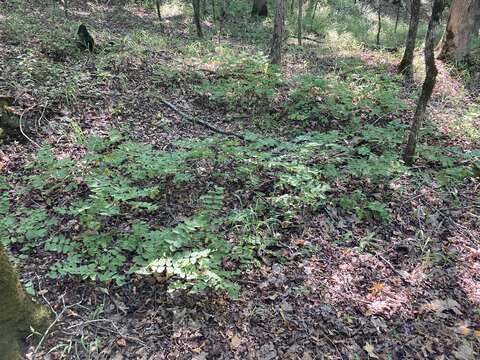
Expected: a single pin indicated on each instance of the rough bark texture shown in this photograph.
(278, 32)
(17, 312)
(428, 84)
(158, 10)
(259, 8)
(299, 21)
(460, 27)
(405, 65)
(196, 17)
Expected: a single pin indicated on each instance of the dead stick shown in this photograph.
(201, 122)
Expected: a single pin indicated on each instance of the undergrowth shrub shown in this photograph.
(123, 209)
(243, 81)
(364, 95)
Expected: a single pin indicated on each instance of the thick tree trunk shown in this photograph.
(476, 27)
(259, 8)
(460, 27)
(428, 84)
(278, 32)
(17, 312)
(299, 21)
(405, 65)
(196, 17)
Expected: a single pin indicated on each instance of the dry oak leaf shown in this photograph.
(235, 341)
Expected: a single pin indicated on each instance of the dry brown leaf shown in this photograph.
(376, 288)
(235, 341)
(121, 342)
(463, 330)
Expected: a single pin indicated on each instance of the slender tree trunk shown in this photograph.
(196, 17)
(159, 14)
(379, 14)
(299, 21)
(397, 15)
(292, 6)
(405, 66)
(204, 9)
(428, 84)
(214, 15)
(223, 8)
(259, 8)
(278, 32)
(460, 26)
(17, 312)
(315, 9)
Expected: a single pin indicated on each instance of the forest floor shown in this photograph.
(338, 284)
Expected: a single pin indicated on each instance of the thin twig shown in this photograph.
(201, 122)
(21, 129)
(55, 321)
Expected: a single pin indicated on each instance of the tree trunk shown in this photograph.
(405, 65)
(379, 15)
(460, 26)
(17, 312)
(428, 84)
(158, 10)
(476, 27)
(196, 17)
(278, 32)
(259, 8)
(223, 8)
(299, 21)
(214, 12)
(397, 15)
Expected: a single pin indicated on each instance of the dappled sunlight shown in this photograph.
(178, 193)
(353, 280)
(468, 266)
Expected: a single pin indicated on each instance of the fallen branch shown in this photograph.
(308, 39)
(201, 122)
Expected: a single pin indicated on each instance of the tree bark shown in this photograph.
(278, 32)
(159, 14)
(17, 312)
(259, 8)
(397, 15)
(196, 17)
(379, 15)
(299, 21)
(460, 27)
(214, 11)
(405, 66)
(428, 84)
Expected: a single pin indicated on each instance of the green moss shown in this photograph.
(17, 312)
